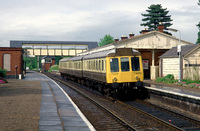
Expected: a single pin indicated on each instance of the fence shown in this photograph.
(191, 73)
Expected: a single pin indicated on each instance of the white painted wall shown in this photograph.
(171, 66)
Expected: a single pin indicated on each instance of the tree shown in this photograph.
(198, 38)
(106, 40)
(156, 14)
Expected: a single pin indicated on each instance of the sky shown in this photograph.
(88, 20)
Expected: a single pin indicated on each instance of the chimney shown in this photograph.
(116, 39)
(160, 27)
(124, 37)
(131, 35)
(145, 31)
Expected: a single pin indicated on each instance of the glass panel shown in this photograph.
(125, 64)
(102, 65)
(135, 63)
(96, 65)
(114, 66)
(99, 68)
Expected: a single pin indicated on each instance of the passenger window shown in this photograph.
(114, 65)
(125, 64)
(99, 65)
(96, 65)
(135, 63)
(93, 65)
(102, 65)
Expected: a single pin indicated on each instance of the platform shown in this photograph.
(58, 111)
(173, 90)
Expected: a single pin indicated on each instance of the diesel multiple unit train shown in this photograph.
(112, 72)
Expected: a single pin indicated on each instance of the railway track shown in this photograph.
(166, 116)
(131, 118)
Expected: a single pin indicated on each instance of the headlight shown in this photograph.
(137, 78)
(115, 79)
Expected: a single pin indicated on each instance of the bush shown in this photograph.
(169, 76)
(167, 79)
(3, 72)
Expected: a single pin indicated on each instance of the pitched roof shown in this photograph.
(149, 33)
(172, 53)
(16, 43)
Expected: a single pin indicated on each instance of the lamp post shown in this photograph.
(179, 51)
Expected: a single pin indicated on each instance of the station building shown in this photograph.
(11, 59)
(151, 44)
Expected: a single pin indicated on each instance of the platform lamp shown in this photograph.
(178, 50)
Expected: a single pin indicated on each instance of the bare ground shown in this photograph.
(20, 103)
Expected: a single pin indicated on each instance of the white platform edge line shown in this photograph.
(91, 127)
(170, 92)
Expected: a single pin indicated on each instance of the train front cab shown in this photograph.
(125, 74)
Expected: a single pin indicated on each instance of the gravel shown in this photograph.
(20, 103)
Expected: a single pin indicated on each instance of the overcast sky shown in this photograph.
(88, 20)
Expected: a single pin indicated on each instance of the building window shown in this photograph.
(48, 60)
(6, 62)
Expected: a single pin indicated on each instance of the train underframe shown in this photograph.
(132, 90)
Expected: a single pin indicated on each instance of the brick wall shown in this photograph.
(16, 59)
(147, 55)
(48, 65)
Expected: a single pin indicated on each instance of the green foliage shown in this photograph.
(54, 67)
(156, 14)
(167, 79)
(3, 72)
(106, 40)
(31, 62)
(190, 81)
(198, 38)
(57, 58)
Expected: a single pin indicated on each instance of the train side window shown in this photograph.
(93, 64)
(89, 64)
(102, 65)
(125, 64)
(96, 65)
(114, 65)
(99, 65)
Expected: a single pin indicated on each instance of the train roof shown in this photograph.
(102, 54)
(112, 53)
(64, 59)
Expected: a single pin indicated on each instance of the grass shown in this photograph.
(53, 68)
